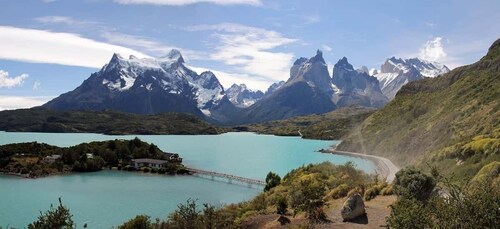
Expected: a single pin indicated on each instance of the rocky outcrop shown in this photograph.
(353, 207)
(355, 87)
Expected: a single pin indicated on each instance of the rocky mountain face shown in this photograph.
(274, 87)
(243, 97)
(145, 86)
(395, 73)
(307, 91)
(355, 87)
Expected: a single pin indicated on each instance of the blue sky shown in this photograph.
(48, 47)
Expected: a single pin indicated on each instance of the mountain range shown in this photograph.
(395, 73)
(166, 84)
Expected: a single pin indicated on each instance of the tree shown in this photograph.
(59, 217)
(186, 216)
(211, 218)
(281, 206)
(307, 197)
(139, 222)
(412, 183)
(272, 180)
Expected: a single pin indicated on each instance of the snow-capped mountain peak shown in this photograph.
(396, 72)
(428, 68)
(241, 96)
(174, 55)
(167, 73)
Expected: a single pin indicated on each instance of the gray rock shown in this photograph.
(355, 87)
(353, 207)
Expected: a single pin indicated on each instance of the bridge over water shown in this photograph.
(227, 176)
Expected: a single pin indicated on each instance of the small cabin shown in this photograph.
(146, 162)
(52, 158)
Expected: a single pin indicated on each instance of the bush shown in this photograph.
(409, 213)
(387, 191)
(25, 171)
(186, 216)
(354, 191)
(146, 169)
(412, 183)
(371, 193)
(59, 217)
(281, 206)
(338, 192)
(307, 197)
(162, 171)
(139, 222)
(474, 205)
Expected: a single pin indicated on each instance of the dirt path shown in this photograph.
(384, 166)
(376, 212)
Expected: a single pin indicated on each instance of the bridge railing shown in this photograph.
(227, 176)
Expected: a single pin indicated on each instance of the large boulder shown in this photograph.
(353, 207)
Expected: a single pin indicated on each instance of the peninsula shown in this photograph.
(33, 159)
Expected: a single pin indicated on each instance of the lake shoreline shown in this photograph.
(383, 166)
(27, 176)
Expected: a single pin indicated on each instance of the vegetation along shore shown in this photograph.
(33, 160)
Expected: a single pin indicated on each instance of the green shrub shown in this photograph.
(139, 222)
(387, 191)
(338, 192)
(59, 217)
(409, 213)
(371, 193)
(412, 183)
(281, 206)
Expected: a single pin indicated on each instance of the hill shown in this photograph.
(429, 115)
(105, 122)
(328, 126)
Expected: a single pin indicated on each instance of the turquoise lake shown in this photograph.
(108, 198)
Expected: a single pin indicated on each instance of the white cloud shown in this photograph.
(227, 79)
(18, 102)
(152, 46)
(433, 50)
(188, 2)
(36, 85)
(68, 21)
(326, 48)
(40, 46)
(311, 19)
(56, 20)
(249, 50)
(10, 82)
